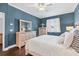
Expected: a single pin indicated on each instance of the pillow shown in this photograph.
(62, 35)
(75, 43)
(68, 39)
(61, 40)
(72, 31)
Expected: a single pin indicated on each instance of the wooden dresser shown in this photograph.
(0, 38)
(22, 37)
(42, 31)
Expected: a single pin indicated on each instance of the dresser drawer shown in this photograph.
(22, 40)
(0, 38)
(21, 34)
(22, 43)
(22, 37)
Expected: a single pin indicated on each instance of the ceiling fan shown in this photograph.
(43, 6)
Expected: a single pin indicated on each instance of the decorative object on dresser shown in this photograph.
(42, 31)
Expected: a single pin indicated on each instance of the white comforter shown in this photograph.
(47, 45)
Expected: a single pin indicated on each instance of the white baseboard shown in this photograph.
(9, 47)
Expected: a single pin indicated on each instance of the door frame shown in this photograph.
(3, 32)
(3, 36)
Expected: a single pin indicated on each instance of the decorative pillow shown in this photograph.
(61, 38)
(75, 43)
(72, 31)
(68, 39)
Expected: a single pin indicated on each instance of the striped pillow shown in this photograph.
(75, 43)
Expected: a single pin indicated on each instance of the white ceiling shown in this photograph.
(54, 9)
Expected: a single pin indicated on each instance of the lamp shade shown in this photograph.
(69, 28)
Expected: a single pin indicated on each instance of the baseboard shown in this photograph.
(9, 47)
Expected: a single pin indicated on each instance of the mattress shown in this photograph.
(47, 45)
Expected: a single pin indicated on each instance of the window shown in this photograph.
(53, 25)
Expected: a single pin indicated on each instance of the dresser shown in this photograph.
(42, 31)
(0, 38)
(22, 37)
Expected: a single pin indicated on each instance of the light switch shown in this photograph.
(11, 24)
(11, 30)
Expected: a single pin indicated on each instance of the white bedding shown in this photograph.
(47, 45)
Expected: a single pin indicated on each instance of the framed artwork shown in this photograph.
(53, 25)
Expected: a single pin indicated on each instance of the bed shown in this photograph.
(47, 45)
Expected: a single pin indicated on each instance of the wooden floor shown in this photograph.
(0, 47)
(14, 52)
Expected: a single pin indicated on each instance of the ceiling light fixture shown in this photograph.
(43, 6)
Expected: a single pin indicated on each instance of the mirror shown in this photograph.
(25, 26)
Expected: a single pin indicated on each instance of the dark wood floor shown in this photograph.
(0, 47)
(14, 52)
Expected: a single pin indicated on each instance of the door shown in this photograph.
(2, 29)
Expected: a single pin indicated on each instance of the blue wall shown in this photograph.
(65, 20)
(12, 15)
(76, 15)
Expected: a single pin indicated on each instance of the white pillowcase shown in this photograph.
(62, 35)
(61, 38)
(72, 31)
(68, 39)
